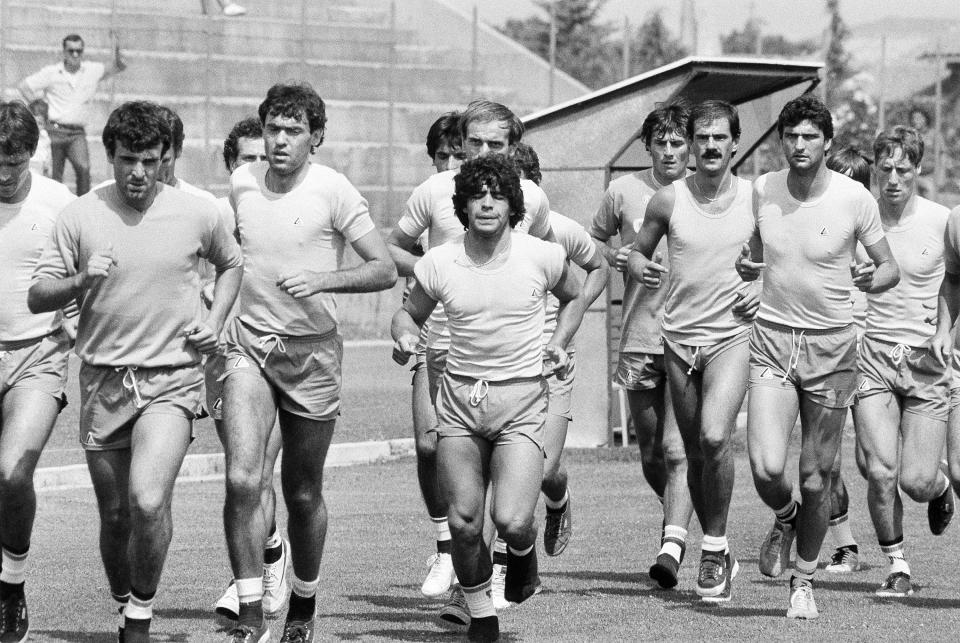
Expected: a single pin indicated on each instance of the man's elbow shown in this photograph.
(35, 300)
(385, 274)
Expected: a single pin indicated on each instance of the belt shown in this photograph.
(23, 343)
(66, 126)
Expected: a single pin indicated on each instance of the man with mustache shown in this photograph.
(706, 218)
(803, 345)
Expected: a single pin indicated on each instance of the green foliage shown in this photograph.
(744, 41)
(837, 58)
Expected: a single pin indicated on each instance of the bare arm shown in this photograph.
(377, 272)
(884, 273)
(406, 323)
(948, 305)
(656, 222)
(117, 63)
(205, 335)
(26, 92)
(401, 245)
(47, 295)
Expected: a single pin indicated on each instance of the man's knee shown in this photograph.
(514, 527)
(814, 483)
(713, 442)
(919, 486)
(464, 527)
(149, 506)
(16, 482)
(244, 484)
(766, 473)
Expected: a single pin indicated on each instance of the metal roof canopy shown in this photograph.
(582, 143)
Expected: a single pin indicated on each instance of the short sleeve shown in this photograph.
(222, 251)
(537, 209)
(352, 217)
(606, 222)
(61, 256)
(869, 230)
(417, 211)
(555, 262)
(951, 245)
(425, 270)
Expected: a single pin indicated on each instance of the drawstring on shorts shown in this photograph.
(899, 353)
(693, 361)
(479, 392)
(795, 344)
(277, 343)
(130, 383)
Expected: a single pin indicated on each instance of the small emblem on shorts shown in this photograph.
(34, 227)
(90, 441)
(241, 362)
(823, 231)
(536, 294)
(218, 405)
(766, 373)
(864, 385)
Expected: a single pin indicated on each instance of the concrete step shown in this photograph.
(346, 120)
(369, 11)
(32, 24)
(156, 73)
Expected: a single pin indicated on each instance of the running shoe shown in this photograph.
(455, 611)
(845, 560)
(896, 585)
(558, 530)
(275, 583)
(14, 620)
(228, 605)
(713, 578)
(249, 634)
(297, 632)
(522, 579)
(802, 604)
(940, 511)
(136, 630)
(440, 576)
(484, 630)
(775, 550)
(497, 583)
(667, 568)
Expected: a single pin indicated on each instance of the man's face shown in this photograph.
(488, 212)
(136, 174)
(168, 167)
(14, 177)
(288, 142)
(669, 152)
(486, 137)
(713, 145)
(447, 157)
(249, 150)
(72, 54)
(804, 146)
(896, 177)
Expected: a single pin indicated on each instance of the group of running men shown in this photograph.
(490, 313)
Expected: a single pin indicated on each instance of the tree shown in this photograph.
(837, 58)
(749, 40)
(653, 45)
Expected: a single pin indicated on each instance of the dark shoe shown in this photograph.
(297, 632)
(940, 511)
(14, 620)
(522, 579)
(484, 630)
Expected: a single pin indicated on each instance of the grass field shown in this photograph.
(598, 590)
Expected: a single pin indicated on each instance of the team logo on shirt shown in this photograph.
(297, 221)
(34, 227)
(864, 385)
(766, 374)
(823, 231)
(924, 252)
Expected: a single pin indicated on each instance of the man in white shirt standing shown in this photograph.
(67, 87)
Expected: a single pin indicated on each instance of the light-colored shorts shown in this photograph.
(820, 363)
(508, 412)
(304, 371)
(640, 371)
(435, 359)
(113, 398)
(910, 372)
(560, 400)
(213, 384)
(37, 364)
(697, 358)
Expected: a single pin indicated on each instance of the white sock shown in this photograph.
(714, 543)
(441, 527)
(805, 568)
(674, 539)
(840, 530)
(249, 590)
(138, 608)
(14, 567)
(303, 588)
(894, 554)
(479, 600)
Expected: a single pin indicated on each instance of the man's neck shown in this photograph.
(810, 184)
(21, 192)
(140, 206)
(891, 214)
(283, 183)
(483, 249)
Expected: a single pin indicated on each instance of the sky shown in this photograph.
(794, 19)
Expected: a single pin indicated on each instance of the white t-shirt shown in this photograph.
(580, 249)
(495, 317)
(304, 229)
(67, 94)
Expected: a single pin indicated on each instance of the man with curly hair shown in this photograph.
(128, 253)
(492, 400)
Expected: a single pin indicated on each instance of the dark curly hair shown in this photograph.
(176, 129)
(806, 108)
(295, 101)
(528, 163)
(247, 128)
(19, 132)
(138, 125)
(494, 171)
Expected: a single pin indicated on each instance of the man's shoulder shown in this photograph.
(932, 210)
(441, 182)
(50, 192)
(189, 188)
(176, 199)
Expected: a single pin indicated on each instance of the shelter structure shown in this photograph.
(586, 142)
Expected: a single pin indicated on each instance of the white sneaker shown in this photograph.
(228, 605)
(232, 10)
(275, 583)
(497, 584)
(455, 612)
(439, 577)
(802, 604)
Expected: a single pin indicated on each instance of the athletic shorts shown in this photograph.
(822, 364)
(909, 372)
(697, 358)
(560, 398)
(640, 371)
(37, 364)
(213, 384)
(435, 360)
(113, 398)
(508, 412)
(304, 371)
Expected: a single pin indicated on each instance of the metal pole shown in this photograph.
(114, 43)
(3, 49)
(627, 37)
(882, 98)
(553, 50)
(207, 98)
(938, 124)
(474, 52)
(391, 105)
